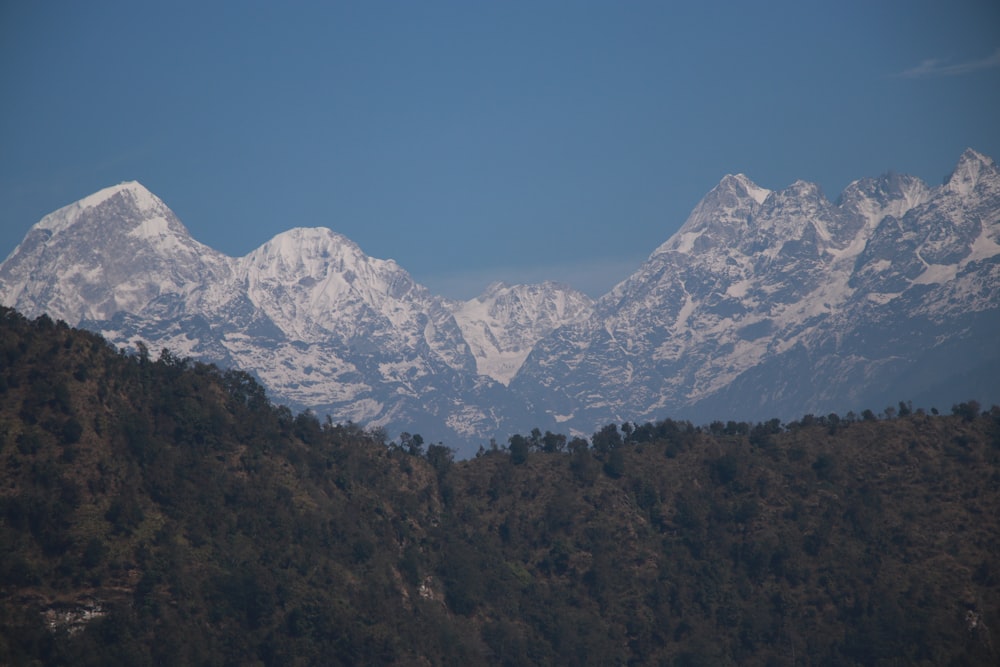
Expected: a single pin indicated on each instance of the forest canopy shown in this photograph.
(163, 511)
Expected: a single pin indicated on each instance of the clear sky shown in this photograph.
(475, 141)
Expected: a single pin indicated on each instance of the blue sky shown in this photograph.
(476, 141)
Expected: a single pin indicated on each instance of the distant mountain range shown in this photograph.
(764, 304)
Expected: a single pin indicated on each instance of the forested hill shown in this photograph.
(164, 512)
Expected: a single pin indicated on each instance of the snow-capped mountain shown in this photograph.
(784, 303)
(503, 324)
(320, 323)
(765, 303)
(120, 250)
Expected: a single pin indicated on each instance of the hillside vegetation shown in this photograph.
(165, 512)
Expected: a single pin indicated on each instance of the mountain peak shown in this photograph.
(898, 281)
(743, 185)
(311, 280)
(299, 244)
(722, 214)
(734, 191)
(500, 288)
(502, 325)
(494, 288)
(134, 190)
(801, 188)
(972, 155)
(311, 235)
(969, 170)
(136, 195)
(115, 251)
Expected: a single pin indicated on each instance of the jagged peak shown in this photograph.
(311, 235)
(555, 285)
(501, 289)
(972, 155)
(545, 285)
(898, 192)
(741, 183)
(726, 207)
(804, 195)
(801, 188)
(495, 287)
(968, 172)
(139, 194)
(140, 197)
(319, 254)
(308, 242)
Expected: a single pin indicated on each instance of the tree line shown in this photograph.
(163, 511)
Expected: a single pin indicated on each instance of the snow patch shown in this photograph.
(821, 229)
(967, 174)
(880, 265)
(143, 198)
(757, 193)
(685, 312)
(739, 289)
(502, 325)
(983, 248)
(935, 274)
(157, 231)
(882, 299)
(685, 241)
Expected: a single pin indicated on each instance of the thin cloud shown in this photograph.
(938, 67)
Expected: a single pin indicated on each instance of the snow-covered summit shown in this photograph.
(300, 245)
(503, 324)
(765, 303)
(312, 281)
(140, 196)
(308, 256)
(756, 192)
(118, 250)
(971, 168)
(788, 303)
(133, 194)
(719, 217)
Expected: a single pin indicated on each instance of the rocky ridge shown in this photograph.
(765, 303)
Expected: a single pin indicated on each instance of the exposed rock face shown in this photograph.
(782, 303)
(765, 303)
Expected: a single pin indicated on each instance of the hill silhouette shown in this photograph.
(162, 511)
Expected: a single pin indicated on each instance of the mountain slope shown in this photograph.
(162, 512)
(118, 250)
(782, 303)
(322, 324)
(503, 324)
(765, 303)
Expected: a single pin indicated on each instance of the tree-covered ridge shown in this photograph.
(164, 512)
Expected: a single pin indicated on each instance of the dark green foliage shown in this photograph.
(518, 447)
(607, 439)
(725, 469)
(553, 442)
(441, 458)
(164, 512)
(968, 410)
(615, 464)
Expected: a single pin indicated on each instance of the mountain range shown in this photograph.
(764, 304)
